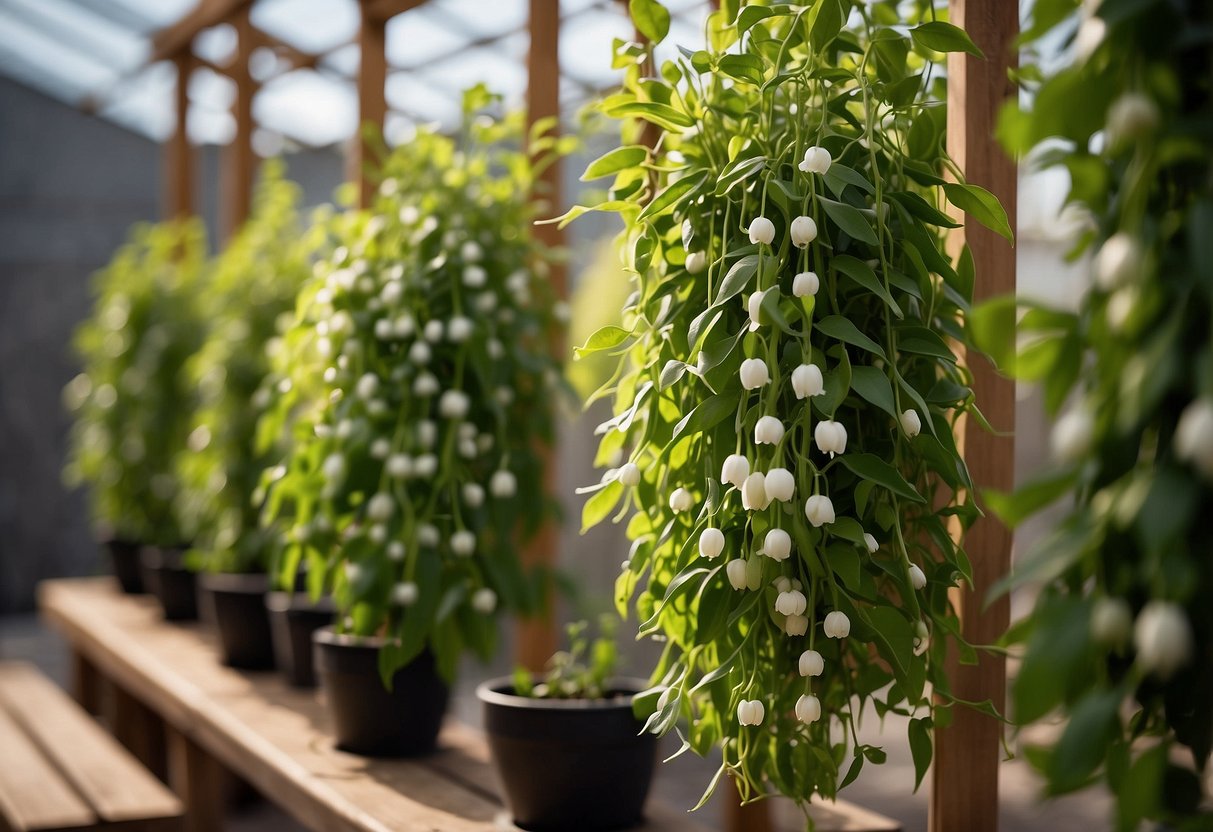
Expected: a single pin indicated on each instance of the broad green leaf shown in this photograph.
(709, 413)
(873, 386)
(842, 329)
(600, 505)
(621, 158)
(1028, 499)
(871, 467)
(944, 37)
(738, 171)
(862, 274)
(737, 278)
(651, 18)
(663, 115)
(920, 747)
(839, 176)
(746, 68)
(670, 196)
(849, 219)
(992, 325)
(981, 205)
(608, 337)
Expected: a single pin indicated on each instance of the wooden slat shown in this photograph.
(178, 156)
(238, 159)
(372, 97)
(33, 796)
(178, 37)
(105, 775)
(384, 10)
(964, 788)
(198, 781)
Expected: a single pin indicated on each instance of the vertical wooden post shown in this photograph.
(197, 779)
(239, 161)
(372, 101)
(138, 728)
(536, 637)
(178, 157)
(86, 683)
(964, 788)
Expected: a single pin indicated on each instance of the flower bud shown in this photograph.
(819, 509)
(830, 436)
(918, 578)
(754, 492)
(403, 326)
(922, 638)
(503, 484)
(796, 625)
(762, 230)
(427, 535)
(377, 534)
(681, 500)
(399, 466)
(697, 261)
(711, 542)
(768, 431)
(463, 543)
(383, 329)
(805, 284)
(367, 386)
(433, 331)
(816, 160)
(459, 329)
(808, 708)
(1194, 436)
(1118, 262)
(780, 485)
(803, 231)
(380, 507)
(474, 277)
(470, 251)
(811, 663)
(395, 551)
(425, 466)
(425, 385)
(777, 545)
(484, 601)
(454, 404)
(754, 308)
(735, 470)
(754, 373)
(473, 494)
(736, 570)
(427, 433)
(870, 542)
(750, 712)
(791, 603)
(837, 625)
(910, 423)
(380, 448)
(1072, 435)
(405, 594)
(782, 584)
(1163, 638)
(1111, 621)
(808, 381)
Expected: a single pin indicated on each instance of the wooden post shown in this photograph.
(138, 728)
(536, 637)
(178, 157)
(964, 788)
(372, 101)
(239, 161)
(196, 778)
(86, 683)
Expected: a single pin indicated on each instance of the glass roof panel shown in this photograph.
(311, 25)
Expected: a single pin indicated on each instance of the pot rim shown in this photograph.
(329, 637)
(251, 583)
(279, 600)
(490, 692)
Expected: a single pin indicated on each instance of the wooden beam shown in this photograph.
(239, 161)
(964, 788)
(178, 155)
(179, 37)
(372, 100)
(384, 10)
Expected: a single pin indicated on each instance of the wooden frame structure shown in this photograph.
(964, 790)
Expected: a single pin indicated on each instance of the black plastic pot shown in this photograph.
(235, 605)
(293, 620)
(369, 719)
(165, 576)
(569, 763)
(124, 560)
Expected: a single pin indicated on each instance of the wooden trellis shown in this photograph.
(964, 790)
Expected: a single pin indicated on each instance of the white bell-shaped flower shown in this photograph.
(754, 492)
(380, 507)
(754, 373)
(405, 594)
(918, 578)
(1163, 638)
(836, 625)
(681, 500)
(768, 431)
(484, 601)
(629, 474)
(777, 545)
(473, 494)
(807, 381)
(816, 160)
(796, 625)
(811, 663)
(736, 571)
(697, 261)
(819, 510)
(780, 485)
(808, 708)
(463, 543)
(803, 231)
(870, 543)
(791, 602)
(830, 436)
(1194, 436)
(734, 470)
(503, 484)
(454, 404)
(750, 712)
(711, 542)
(911, 424)
(762, 230)
(805, 284)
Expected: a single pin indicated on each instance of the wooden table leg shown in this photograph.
(197, 778)
(138, 728)
(86, 684)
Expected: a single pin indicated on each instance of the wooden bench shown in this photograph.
(60, 770)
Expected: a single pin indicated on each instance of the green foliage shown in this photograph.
(417, 389)
(582, 671)
(1129, 119)
(132, 401)
(248, 304)
(734, 121)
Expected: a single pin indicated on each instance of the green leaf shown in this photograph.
(608, 337)
(738, 171)
(920, 747)
(981, 205)
(863, 274)
(651, 19)
(600, 505)
(870, 467)
(992, 326)
(839, 176)
(1056, 651)
(842, 329)
(671, 195)
(750, 16)
(745, 68)
(921, 340)
(710, 412)
(849, 220)
(1083, 745)
(873, 386)
(944, 37)
(1014, 508)
(663, 115)
(621, 158)
(738, 278)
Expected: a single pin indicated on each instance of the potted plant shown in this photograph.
(782, 444)
(417, 472)
(1119, 644)
(127, 402)
(249, 300)
(568, 748)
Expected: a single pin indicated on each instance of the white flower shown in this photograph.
(1090, 35)
(380, 448)
(808, 708)
(1072, 435)
(816, 160)
(383, 329)
(433, 331)
(811, 663)
(1111, 621)
(819, 509)
(910, 423)
(762, 230)
(697, 261)
(870, 542)
(470, 251)
(474, 277)
(463, 543)
(1163, 638)
(808, 381)
(1118, 262)
(1120, 307)
(484, 601)
(681, 500)
(473, 494)
(454, 404)
(803, 231)
(403, 326)
(380, 507)
(830, 436)
(425, 384)
(425, 466)
(333, 468)
(377, 533)
(777, 545)
(459, 329)
(405, 594)
(782, 584)
(399, 466)
(503, 484)
(736, 570)
(918, 578)
(485, 302)
(754, 492)
(754, 373)
(711, 542)
(768, 431)
(391, 292)
(1131, 117)
(1194, 436)
(353, 572)
(796, 625)
(791, 603)
(495, 349)
(805, 284)
(734, 470)
(754, 308)
(837, 625)
(750, 712)
(428, 535)
(427, 433)
(395, 551)
(780, 485)
(630, 474)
